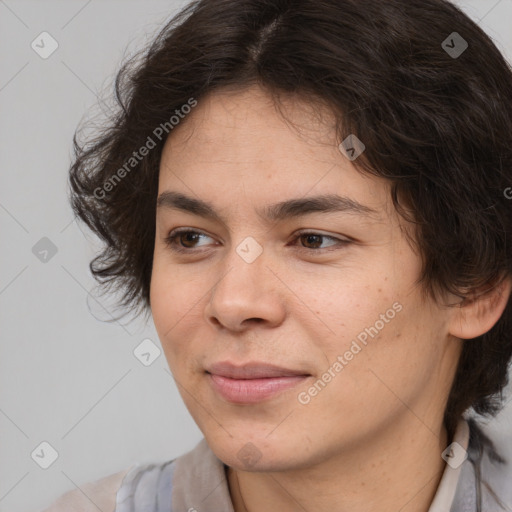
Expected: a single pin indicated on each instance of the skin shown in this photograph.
(372, 438)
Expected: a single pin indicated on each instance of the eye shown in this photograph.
(179, 234)
(314, 238)
(184, 239)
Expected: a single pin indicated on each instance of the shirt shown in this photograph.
(475, 479)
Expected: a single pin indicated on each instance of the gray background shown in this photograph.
(66, 376)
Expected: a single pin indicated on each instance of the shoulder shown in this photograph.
(93, 496)
(196, 477)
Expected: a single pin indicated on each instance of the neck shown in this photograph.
(400, 470)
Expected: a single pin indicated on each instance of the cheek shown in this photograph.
(171, 291)
(376, 314)
(170, 304)
(399, 344)
(350, 303)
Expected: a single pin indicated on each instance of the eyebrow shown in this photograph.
(291, 208)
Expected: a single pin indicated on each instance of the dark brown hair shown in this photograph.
(436, 124)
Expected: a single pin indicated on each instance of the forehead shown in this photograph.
(243, 140)
(251, 117)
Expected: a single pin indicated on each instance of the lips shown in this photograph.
(253, 382)
(252, 370)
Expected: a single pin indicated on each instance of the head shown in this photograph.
(242, 105)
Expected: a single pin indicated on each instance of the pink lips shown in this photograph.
(252, 382)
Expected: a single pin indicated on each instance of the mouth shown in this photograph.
(252, 382)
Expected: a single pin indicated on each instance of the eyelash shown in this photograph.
(173, 235)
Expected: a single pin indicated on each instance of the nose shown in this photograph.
(247, 293)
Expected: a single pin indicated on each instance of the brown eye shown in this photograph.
(311, 241)
(183, 240)
(314, 240)
(188, 237)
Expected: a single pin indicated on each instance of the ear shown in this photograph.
(477, 314)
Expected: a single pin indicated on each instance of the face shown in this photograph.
(328, 295)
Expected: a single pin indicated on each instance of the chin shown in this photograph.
(250, 451)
